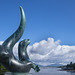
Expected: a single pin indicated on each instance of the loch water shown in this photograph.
(46, 71)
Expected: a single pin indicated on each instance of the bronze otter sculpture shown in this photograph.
(7, 58)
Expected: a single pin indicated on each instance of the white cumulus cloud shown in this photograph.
(47, 52)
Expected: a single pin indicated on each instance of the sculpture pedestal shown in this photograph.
(10, 73)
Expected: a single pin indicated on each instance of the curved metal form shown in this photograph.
(6, 54)
(22, 50)
(10, 42)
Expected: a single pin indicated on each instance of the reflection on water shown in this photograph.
(45, 71)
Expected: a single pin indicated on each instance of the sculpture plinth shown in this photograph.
(7, 58)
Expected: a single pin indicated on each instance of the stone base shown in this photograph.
(10, 73)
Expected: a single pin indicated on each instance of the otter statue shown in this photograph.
(7, 58)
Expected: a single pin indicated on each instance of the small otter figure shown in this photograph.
(22, 50)
(22, 53)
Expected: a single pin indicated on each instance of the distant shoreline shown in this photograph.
(68, 70)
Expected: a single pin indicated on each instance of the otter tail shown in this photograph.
(10, 42)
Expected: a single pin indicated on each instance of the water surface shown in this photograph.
(47, 71)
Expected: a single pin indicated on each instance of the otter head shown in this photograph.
(25, 42)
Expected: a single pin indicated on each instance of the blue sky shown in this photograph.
(44, 19)
(50, 24)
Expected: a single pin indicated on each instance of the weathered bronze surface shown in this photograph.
(7, 58)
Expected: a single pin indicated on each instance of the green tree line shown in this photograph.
(71, 65)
